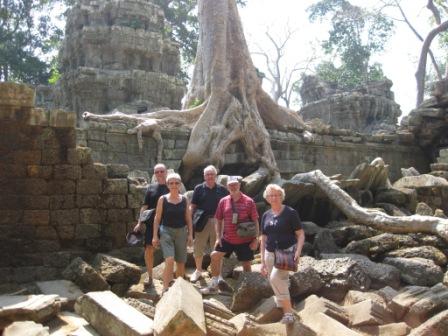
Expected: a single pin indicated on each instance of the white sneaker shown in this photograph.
(195, 276)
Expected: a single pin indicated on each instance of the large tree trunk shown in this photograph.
(375, 218)
(234, 107)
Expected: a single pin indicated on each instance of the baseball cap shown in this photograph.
(233, 179)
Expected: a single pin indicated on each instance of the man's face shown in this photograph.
(161, 174)
(233, 187)
(209, 177)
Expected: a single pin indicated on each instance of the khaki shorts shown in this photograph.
(205, 239)
(173, 242)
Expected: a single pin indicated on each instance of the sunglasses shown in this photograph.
(159, 171)
(174, 182)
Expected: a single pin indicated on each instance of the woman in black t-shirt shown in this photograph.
(280, 229)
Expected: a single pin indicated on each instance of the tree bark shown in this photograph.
(234, 107)
(375, 218)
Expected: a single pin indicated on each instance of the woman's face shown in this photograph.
(274, 197)
(173, 184)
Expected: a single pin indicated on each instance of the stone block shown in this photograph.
(67, 291)
(407, 296)
(97, 171)
(435, 326)
(79, 155)
(36, 202)
(118, 186)
(92, 216)
(66, 232)
(85, 276)
(37, 308)
(391, 329)
(89, 186)
(120, 216)
(87, 231)
(267, 311)
(180, 311)
(10, 216)
(368, 312)
(115, 170)
(61, 118)
(113, 202)
(58, 202)
(115, 270)
(38, 171)
(28, 157)
(250, 288)
(13, 94)
(13, 170)
(323, 324)
(64, 217)
(46, 245)
(67, 172)
(46, 232)
(313, 305)
(36, 217)
(52, 156)
(28, 328)
(111, 316)
(60, 187)
(89, 201)
(35, 187)
(69, 323)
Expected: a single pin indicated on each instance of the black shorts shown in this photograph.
(243, 251)
(149, 234)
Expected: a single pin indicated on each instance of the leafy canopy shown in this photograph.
(26, 35)
(355, 34)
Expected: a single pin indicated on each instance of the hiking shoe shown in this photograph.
(195, 276)
(148, 283)
(209, 290)
(288, 318)
(224, 286)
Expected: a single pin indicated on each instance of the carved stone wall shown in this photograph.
(115, 56)
(55, 202)
(367, 109)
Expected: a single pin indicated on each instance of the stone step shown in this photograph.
(67, 291)
(111, 316)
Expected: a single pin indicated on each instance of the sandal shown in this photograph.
(288, 318)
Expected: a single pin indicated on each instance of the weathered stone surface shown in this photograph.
(392, 195)
(380, 274)
(116, 170)
(144, 306)
(252, 184)
(180, 311)
(346, 232)
(217, 326)
(391, 329)
(380, 244)
(28, 328)
(407, 296)
(425, 252)
(417, 271)
(37, 308)
(433, 301)
(338, 275)
(423, 209)
(111, 316)
(216, 308)
(411, 171)
(421, 181)
(305, 281)
(354, 296)
(68, 323)
(115, 270)
(267, 311)
(250, 288)
(324, 243)
(314, 304)
(68, 292)
(115, 186)
(85, 276)
(368, 312)
(435, 326)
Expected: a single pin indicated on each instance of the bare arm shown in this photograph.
(139, 224)
(219, 230)
(189, 223)
(300, 234)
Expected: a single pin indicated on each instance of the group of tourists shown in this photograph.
(221, 216)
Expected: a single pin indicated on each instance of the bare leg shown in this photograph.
(198, 262)
(180, 269)
(216, 259)
(168, 272)
(247, 267)
(286, 306)
(149, 259)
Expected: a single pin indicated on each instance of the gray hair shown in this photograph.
(210, 168)
(173, 176)
(159, 165)
(274, 187)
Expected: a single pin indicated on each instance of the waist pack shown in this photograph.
(246, 229)
(284, 259)
(199, 220)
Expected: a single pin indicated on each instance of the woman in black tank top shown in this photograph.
(173, 216)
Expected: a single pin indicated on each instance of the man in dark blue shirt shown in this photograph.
(153, 193)
(206, 197)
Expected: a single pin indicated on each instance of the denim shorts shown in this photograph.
(173, 242)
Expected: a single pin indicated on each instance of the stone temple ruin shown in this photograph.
(69, 195)
(115, 56)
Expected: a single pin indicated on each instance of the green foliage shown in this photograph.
(184, 25)
(355, 34)
(26, 34)
(195, 102)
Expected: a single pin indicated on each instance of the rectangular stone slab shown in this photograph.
(111, 316)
